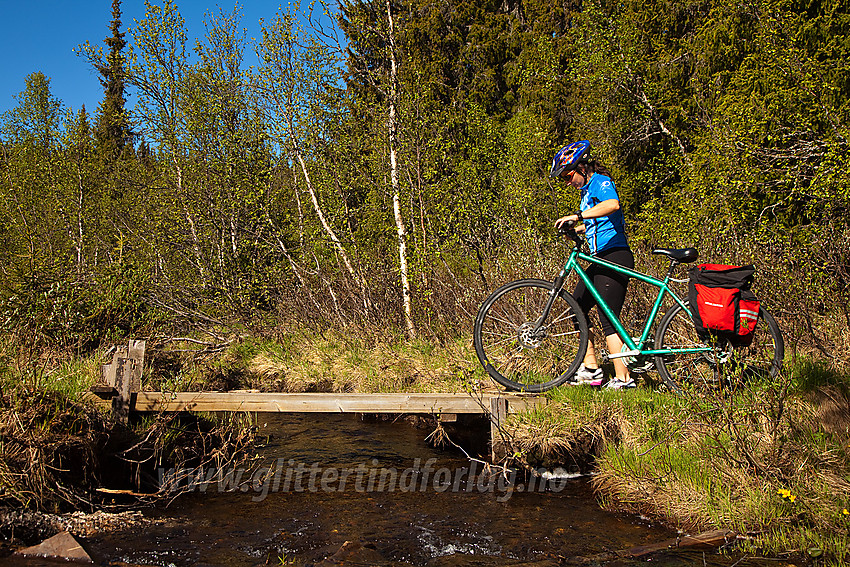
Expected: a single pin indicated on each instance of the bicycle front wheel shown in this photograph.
(518, 353)
(762, 358)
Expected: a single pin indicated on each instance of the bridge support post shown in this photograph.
(499, 445)
(123, 376)
(124, 369)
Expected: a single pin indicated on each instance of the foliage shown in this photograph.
(259, 191)
(69, 314)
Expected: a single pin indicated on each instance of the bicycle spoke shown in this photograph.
(567, 334)
(565, 316)
(500, 320)
(520, 355)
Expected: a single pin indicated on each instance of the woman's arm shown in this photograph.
(598, 210)
(602, 209)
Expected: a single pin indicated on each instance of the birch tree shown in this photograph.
(294, 77)
(228, 144)
(392, 138)
(374, 60)
(31, 133)
(158, 67)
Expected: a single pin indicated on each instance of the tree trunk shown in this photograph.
(392, 127)
(195, 241)
(79, 245)
(325, 225)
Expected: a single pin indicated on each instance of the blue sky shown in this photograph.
(41, 35)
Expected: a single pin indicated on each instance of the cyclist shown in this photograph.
(603, 225)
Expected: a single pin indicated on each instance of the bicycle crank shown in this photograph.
(640, 365)
(636, 363)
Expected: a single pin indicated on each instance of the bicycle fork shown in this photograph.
(557, 285)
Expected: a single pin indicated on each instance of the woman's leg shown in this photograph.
(590, 361)
(612, 287)
(615, 344)
(586, 302)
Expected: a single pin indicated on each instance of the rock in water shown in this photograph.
(61, 546)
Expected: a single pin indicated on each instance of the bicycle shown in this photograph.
(530, 335)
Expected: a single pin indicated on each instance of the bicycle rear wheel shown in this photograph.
(520, 357)
(762, 358)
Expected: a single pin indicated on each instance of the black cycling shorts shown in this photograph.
(610, 284)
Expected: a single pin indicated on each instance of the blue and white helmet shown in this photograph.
(569, 157)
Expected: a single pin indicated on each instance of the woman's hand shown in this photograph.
(568, 218)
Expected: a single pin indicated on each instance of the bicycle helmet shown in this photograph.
(569, 157)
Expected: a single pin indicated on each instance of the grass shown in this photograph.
(329, 362)
(770, 460)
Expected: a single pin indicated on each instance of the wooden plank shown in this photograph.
(136, 351)
(108, 370)
(321, 402)
(522, 402)
(307, 402)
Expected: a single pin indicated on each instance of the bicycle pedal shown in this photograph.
(641, 368)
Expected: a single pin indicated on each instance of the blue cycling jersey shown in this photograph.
(603, 233)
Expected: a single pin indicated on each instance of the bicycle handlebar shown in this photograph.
(567, 228)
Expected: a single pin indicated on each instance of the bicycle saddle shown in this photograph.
(681, 255)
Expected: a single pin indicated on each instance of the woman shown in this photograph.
(604, 227)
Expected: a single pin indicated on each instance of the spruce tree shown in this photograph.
(113, 131)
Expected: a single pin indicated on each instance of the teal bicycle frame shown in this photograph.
(635, 345)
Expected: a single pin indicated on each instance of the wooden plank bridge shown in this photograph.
(119, 390)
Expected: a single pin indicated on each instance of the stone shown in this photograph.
(61, 546)
(355, 553)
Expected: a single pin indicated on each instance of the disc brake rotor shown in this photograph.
(528, 338)
(720, 354)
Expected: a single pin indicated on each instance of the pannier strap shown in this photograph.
(722, 275)
(681, 255)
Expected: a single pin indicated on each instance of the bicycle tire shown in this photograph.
(761, 358)
(512, 354)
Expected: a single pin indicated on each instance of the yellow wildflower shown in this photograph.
(845, 512)
(786, 494)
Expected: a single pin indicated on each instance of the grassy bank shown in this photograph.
(59, 453)
(769, 460)
(317, 362)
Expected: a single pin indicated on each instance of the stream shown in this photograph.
(372, 492)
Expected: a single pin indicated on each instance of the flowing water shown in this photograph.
(369, 492)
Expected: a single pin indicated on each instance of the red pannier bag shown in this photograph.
(721, 301)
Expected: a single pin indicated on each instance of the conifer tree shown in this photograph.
(113, 131)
